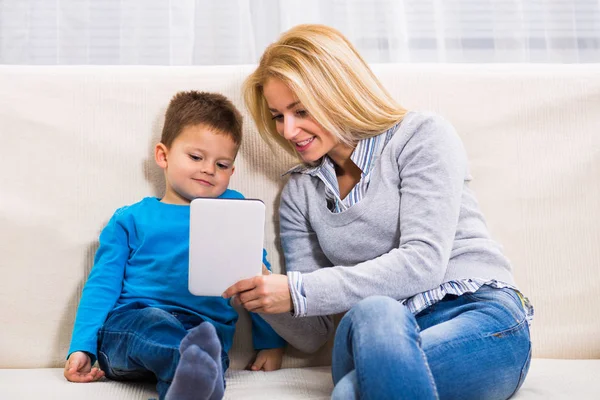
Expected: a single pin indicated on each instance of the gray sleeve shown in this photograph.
(432, 165)
(307, 334)
(303, 254)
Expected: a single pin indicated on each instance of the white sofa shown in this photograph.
(77, 143)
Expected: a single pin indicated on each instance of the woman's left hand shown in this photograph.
(269, 294)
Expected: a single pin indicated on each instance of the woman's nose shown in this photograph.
(290, 128)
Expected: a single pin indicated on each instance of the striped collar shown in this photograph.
(363, 155)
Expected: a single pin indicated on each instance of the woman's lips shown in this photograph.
(303, 145)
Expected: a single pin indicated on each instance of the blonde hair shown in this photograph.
(330, 79)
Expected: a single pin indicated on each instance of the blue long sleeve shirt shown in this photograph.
(143, 257)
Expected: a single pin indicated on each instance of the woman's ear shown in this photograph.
(160, 155)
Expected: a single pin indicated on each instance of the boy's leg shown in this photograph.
(205, 337)
(195, 376)
(139, 344)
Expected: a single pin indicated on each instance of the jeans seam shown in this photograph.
(523, 373)
(426, 362)
(138, 336)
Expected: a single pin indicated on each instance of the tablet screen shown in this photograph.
(226, 243)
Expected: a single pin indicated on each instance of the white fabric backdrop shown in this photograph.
(192, 32)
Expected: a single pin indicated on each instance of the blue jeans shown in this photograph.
(141, 343)
(474, 346)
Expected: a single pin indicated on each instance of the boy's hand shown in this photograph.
(265, 271)
(267, 360)
(79, 368)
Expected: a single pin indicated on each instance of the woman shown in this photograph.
(379, 221)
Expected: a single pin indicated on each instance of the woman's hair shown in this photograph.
(330, 79)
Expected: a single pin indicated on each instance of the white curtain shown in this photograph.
(191, 32)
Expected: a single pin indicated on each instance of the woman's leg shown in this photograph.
(477, 345)
(346, 388)
(379, 339)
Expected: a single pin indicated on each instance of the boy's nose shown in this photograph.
(208, 168)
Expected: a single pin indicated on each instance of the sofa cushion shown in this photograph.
(547, 379)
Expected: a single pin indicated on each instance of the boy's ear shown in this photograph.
(160, 155)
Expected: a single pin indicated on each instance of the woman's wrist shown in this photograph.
(297, 293)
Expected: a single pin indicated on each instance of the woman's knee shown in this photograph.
(377, 313)
(378, 308)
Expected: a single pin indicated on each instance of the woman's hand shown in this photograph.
(79, 368)
(269, 294)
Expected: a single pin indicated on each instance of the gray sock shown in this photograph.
(195, 376)
(205, 337)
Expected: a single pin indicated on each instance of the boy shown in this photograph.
(136, 315)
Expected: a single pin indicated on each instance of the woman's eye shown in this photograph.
(302, 113)
(278, 117)
(195, 158)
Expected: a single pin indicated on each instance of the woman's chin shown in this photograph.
(310, 157)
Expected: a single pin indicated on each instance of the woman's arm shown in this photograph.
(432, 167)
(306, 334)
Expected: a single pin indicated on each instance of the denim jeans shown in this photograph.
(141, 343)
(474, 346)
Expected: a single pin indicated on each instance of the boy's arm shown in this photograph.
(102, 289)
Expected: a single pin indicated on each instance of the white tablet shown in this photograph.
(226, 243)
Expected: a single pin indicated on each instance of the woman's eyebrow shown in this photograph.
(294, 104)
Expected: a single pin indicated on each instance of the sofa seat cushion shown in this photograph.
(548, 379)
(49, 383)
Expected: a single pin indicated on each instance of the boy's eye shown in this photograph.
(195, 157)
(222, 166)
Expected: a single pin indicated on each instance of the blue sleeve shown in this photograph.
(102, 289)
(263, 336)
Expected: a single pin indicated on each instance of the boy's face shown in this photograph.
(199, 163)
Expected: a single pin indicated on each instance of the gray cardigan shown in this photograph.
(417, 227)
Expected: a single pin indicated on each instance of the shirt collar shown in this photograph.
(362, 155)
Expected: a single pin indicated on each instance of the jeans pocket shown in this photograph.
(506, 298)
(117, 374)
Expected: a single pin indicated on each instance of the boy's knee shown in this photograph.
(156, 316)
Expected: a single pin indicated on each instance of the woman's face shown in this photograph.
(295, 124)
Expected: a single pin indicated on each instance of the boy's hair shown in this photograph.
(201, 108)
(331, 80)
